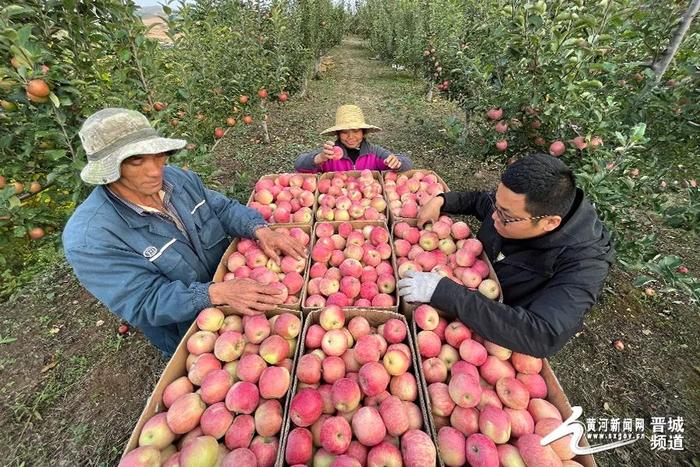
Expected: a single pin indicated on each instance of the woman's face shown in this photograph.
(351, 138)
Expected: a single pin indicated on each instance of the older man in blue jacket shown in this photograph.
(148, 239)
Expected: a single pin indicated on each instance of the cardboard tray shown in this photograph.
(176, 368)
(375, 318)
(409, 173)
(221, 270)
(355, 173)
(483, 257)
(313, 208)
(555, 393)
(557, 397)
(356, 225)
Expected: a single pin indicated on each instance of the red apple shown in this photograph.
(299, 446)
(417, 449)
(557, 148)
(306, 407)
(495, 113)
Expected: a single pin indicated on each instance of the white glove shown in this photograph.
(418, 286)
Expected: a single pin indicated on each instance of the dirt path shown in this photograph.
(72, 388)
(390, 99)
(81, 410)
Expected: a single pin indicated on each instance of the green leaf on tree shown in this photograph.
(55, 154)
(54, 100)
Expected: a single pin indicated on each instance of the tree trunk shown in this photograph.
(661, 64)
(317, 67)
(467, 117)
(429, 92)
(266, 134)
(304, 86)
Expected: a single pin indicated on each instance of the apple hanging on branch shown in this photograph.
(37, 91)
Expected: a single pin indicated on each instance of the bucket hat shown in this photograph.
(111, 135)
(350, 117)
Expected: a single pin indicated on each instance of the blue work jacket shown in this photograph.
(146, 270)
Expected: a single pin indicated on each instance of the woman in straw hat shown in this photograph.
(350, 151)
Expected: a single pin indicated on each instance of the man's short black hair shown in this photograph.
(547, 183)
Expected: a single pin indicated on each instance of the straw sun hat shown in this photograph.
(112, 135)
(350, 117)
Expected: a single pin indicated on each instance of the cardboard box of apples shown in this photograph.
(486, 404)
(351, 196)
(447, 247)
(406, 192)
(287, 198)
(222, 397)
(352, 265)
(244, 258)
(356, 399)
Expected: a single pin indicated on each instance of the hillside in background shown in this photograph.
(150, 11)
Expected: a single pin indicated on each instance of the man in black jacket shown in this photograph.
(548, 247)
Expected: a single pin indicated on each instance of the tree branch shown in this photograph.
(661, 64)
(144, 83)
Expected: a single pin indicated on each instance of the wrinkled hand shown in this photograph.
(392, 162)
(326, 154)
(245, 296)
(418, 286)
(272, 243)
(430, 212)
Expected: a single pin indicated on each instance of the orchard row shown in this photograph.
(573, 79)
(191, 87)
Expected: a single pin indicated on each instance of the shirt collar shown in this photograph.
(165, 195)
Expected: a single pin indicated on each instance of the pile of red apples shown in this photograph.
(351, 267)
(407, 194)
(285, 198)
(356, 401)
(487, 402)
(345, 197)
(228, 410)
(249, 261)
(446, 248)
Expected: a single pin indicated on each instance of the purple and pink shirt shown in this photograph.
(371, 156)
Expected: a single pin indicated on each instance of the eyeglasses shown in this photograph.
(506, 220)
